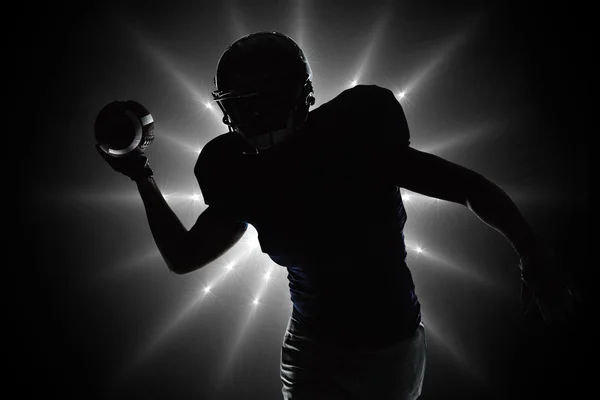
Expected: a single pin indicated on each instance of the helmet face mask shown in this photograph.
(270, 109)
(263, 86)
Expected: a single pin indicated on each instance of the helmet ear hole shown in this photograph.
(226, 120)
(310, 100)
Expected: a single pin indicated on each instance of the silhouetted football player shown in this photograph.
(322, 189)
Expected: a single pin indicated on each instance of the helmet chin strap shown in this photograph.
(272, 139)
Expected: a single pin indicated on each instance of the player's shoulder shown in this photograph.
(218, 143)
(368, 91)
(214, 150)
(361, 100)
(366, 96)
(363, 111)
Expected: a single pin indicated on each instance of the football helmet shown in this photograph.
(263, 86)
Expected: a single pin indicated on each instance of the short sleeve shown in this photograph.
(217, 170)
(394, 132)
(384, 123)
(207, 172)
(378, 127)
(392, 138)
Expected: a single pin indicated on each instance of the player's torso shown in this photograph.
(325, 208)
(317, 201)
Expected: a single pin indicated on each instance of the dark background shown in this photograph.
(57, 327)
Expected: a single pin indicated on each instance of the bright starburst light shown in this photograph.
(254, 285)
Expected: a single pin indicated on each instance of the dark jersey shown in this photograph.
(326, 206)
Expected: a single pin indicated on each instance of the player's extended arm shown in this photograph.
(433, 176)
(184, 251)
(541, 277)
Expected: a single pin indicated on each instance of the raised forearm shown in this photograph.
(494, 207)
(166, 228)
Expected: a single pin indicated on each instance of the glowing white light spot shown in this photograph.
(255, 302)
(268, 275)
(353, 83)
(406, 197)
(401, 95)
(229, 267)
(207, 289)
(208, 105)
(195, 197)
(419, 249)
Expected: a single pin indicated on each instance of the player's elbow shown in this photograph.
(182, 269)
(196, 257)
(179, 268)
(185, 261)
(480, 189)
(212, 236)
